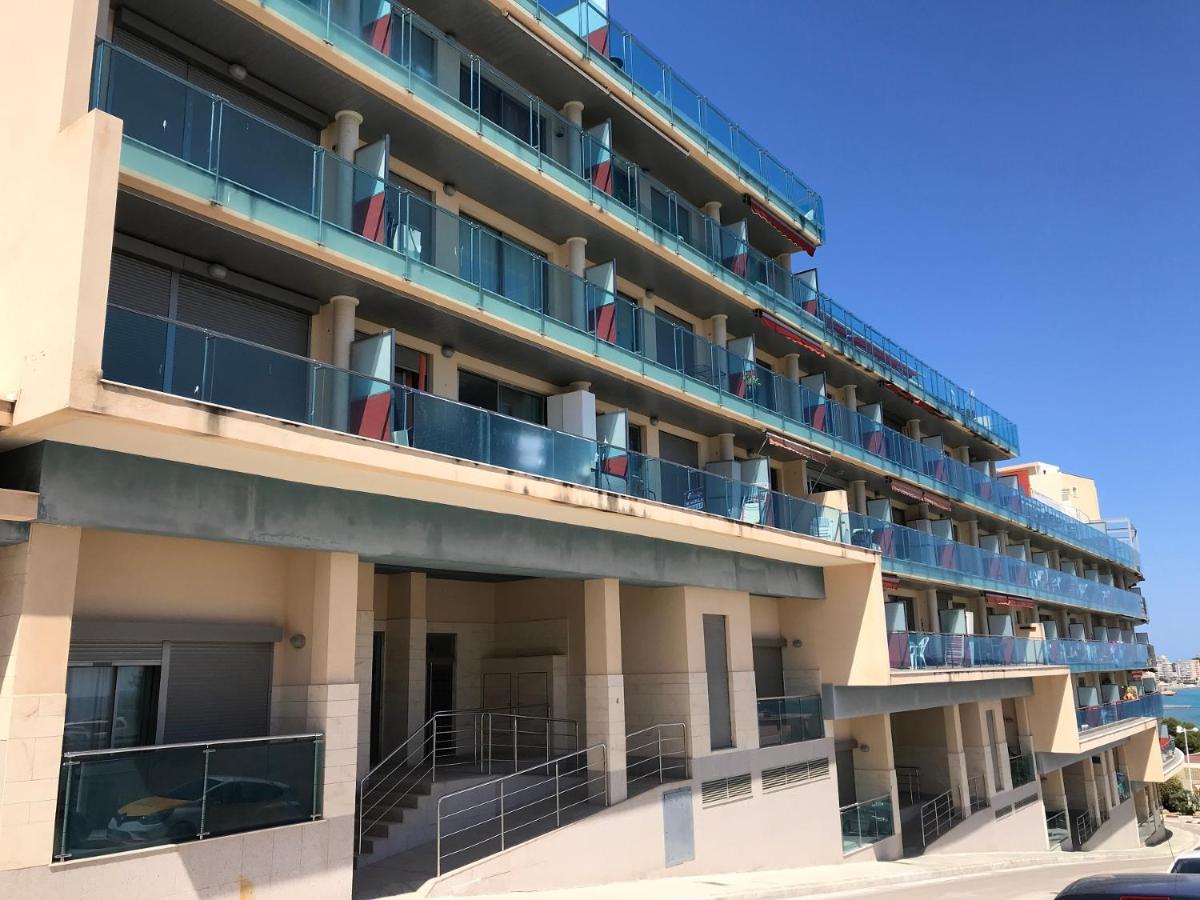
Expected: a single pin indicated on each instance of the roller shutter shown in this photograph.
(139, 285)
(206, 81)
(109, 652)
(240, 315)
(216, 691)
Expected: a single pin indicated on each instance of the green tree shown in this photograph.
(1176, 798)
(1193, 740)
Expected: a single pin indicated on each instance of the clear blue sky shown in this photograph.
(1012, 191)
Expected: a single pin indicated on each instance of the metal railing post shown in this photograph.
(204, 795)
(557, 799)
(547, 740)
(501, 815)
(62, 841)
(658, 732)
(433, 753)
(438, 839)
(514, 742)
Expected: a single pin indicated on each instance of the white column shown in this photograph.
(913, 429)
(719, 324)
(712, 209)
(577, 255)
(573, 112)
(603, 679)
(791, 367)
(343, 328)
(850, 397)
(346, 124)
(725, 446)
(858, 496)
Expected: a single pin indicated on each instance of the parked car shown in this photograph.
(230, 803)
(1129, 887)
(1187, 863)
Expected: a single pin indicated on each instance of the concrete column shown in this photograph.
(973, 532)
(931, 610)
(981, 614)
(850, 397)
(573, 112)
(343, 328)
(346, 124)
(364, 651)
(784, 261)
(1090, 789)
(343, 338)
(577, 255)
(858, 496)
(791, 367)
(712, 209)
(603, 678)
(404, 665)
(963, 454)
(913, 429)
(717, 326)
(332, 692)
(1002, 534)
(37, 601)
(956, 759)
(725, 447)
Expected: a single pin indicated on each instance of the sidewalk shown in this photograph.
(818, 881)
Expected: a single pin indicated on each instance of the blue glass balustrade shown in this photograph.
(789, 720)
(908, 551)
(916, 650)
(867, 822)
(112, 801)
(166, 355)
(1149, 706)
(196, 142)
(412, 52)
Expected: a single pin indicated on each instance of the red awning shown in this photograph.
(781, 226)
(1006, 600)
(912, 492)
(782, 328)
(911, 398)
(891, 584)
(798, 449)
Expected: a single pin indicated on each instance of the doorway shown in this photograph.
(716, 664)
(377, 675)
(439, 673)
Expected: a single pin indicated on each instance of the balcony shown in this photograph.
(535, 131)
(867, 822)
(789, 720)
(914, 650)
(194, 141)
(176, 358)
(602, 38)
(116, 800)
(1148, 706)
(908, 551)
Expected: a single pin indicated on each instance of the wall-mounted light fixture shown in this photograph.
(449, 188)
(447, 351)
(217, 271)
(237, 71)
(298, 641)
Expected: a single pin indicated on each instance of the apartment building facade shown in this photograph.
(424, 457)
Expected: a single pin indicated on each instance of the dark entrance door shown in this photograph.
(377, 674)
(439, 673)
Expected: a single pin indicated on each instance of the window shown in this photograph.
(636, 441)
(414, 219)
(412, 368)
(487, 393)
(675, 343)
(677, 449)
(501, 265)
(110, 706)
(512, 114)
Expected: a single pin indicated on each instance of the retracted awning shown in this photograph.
(1006, 600)
(787, 331)
(797, 449)
(781, 226)
(913, 492)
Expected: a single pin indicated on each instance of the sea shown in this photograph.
(1184, 705)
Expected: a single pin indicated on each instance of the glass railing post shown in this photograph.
(318, 793)
(69, 765)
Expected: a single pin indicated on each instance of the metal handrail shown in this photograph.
(380, 791)
(273, 738)
(499, 783)
(977, 797)
(657, 763)
(908, 781)
(938, 816)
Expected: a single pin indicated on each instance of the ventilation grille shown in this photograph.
(794, 774)
(1002, 811)
(1025, 801)
(725, 790)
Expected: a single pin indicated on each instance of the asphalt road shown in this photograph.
(1029, 884)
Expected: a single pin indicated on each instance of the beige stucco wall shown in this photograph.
(60, 200)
